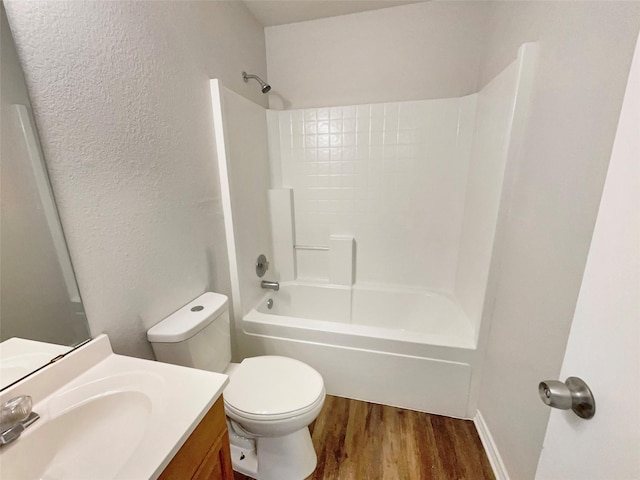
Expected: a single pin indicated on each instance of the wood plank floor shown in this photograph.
(363, 441)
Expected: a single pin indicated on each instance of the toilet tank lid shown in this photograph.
(189, 320)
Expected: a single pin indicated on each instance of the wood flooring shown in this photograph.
(357, 440)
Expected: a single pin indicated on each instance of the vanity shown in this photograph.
(205, 455)
(107, 416)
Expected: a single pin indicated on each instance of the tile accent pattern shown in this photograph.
(391, 175)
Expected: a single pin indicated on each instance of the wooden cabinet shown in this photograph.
(205, 455)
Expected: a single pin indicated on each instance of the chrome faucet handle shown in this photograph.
(262, 265)
(12, 433)
(16, 415)
(15, 410)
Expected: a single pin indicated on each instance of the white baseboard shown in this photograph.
(490, 447)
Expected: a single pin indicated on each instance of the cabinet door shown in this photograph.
(205, 454)
(217, 463)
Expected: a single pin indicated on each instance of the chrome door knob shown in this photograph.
(573, 394)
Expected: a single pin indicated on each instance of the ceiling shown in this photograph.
(279, 12)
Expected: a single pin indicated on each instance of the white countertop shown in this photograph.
(19, 357)
(174, 401)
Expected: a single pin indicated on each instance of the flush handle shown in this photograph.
(573, 394)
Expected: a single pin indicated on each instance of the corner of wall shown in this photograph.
(490, 447)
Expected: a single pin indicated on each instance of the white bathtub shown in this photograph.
(394, 346)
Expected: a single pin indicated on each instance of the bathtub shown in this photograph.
(395, 346)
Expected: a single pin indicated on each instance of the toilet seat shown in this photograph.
(240, 414)
(271, 387)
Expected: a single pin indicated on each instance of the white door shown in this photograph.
(604, 344)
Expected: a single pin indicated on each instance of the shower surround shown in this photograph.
(419, 189)
(393, 176)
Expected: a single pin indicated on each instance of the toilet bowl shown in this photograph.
(269, 401)
(273, 396)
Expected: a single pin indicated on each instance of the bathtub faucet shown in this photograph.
(270, 285)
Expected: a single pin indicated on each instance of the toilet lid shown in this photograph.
(272, 386)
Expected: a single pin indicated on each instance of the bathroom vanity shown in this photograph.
(205, 455)
(105, 416)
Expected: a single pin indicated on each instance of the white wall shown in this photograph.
(411, 52)
(393, 176)
(121, 96)
(606, 323)
(584, 57)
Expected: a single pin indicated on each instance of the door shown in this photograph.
(604, 344)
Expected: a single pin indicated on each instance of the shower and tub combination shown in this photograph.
(379, 222)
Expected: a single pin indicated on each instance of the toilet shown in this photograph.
(269, 401)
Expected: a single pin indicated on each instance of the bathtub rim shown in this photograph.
(359, 336)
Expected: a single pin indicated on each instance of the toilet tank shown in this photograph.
(198, 335)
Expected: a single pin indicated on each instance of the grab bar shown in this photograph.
(310, 247)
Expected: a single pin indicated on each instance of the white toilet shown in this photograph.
(269, 401)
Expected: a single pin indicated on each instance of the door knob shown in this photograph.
(573, 394)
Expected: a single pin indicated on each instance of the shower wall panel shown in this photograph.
(241, 142)
(391, 175)
(486, 172)
(500, 121)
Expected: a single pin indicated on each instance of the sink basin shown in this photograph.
(120, 418)
(73, 445)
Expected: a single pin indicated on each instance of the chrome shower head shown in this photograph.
(264, 87)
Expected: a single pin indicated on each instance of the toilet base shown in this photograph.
(290, 457)
(244, 461)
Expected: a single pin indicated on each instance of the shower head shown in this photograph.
(264, 87)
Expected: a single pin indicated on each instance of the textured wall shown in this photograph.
(411, 52)
(121, 96)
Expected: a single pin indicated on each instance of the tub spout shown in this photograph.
(270, 285)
